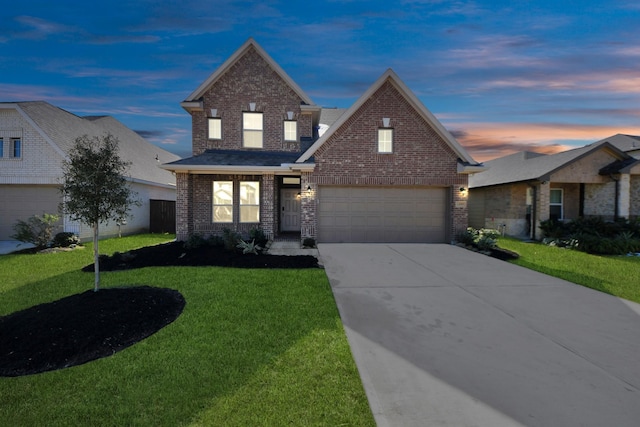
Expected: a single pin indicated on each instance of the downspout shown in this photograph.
(616, 211)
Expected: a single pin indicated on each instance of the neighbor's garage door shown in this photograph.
(23, 201)
(382, 214)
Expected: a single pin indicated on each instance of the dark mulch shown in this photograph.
(175, 254)
(83, 327)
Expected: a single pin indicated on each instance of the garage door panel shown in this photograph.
(385, 214)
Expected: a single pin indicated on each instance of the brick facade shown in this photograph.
(250, 80)
(420, 157)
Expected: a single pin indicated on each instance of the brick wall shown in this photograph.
(250, 79)
(420, 156)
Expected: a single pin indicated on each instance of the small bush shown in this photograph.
(484, 238)
(36, 230)
(248, 247)
(65, 240)
(195, 241)
(258, 235)
(309, 242)
(230, 239)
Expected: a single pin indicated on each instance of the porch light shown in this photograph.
(463, 190)
(309, 188)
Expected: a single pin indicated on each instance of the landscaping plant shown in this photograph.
(36, 230)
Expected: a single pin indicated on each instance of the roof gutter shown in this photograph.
(467, 169)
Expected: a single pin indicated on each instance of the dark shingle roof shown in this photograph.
(239, 158)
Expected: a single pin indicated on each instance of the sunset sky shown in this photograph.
(502, 76)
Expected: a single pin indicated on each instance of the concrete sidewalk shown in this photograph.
(443, 336)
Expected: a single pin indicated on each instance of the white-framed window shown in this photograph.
(1, 148)
(385, 140)
(249, 201)
(215, 128)
(555, 204)
(16, 148)
(252, 130)
(222, 201)
(290, 130)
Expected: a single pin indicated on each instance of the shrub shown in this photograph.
(36, 230)
(308, 242)
(484, 238)
(467, 237)
(259, 236)
(248, 247)
(230, 239)
(195, 241)
(65, 239)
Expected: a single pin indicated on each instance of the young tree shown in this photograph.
(95, 188)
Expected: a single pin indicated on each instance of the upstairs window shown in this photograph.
(385, 140)
(252, 130)
(215, 128)
(555, 204)
(249, 201)
(290, 130)
(1, 148)
(223, 201)
(16, 148)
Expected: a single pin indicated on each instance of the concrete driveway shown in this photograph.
(8, 246)
(443, 336)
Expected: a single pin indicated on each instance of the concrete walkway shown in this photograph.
(443, 336)
(8, 246)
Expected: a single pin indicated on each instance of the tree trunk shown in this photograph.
(96, 262)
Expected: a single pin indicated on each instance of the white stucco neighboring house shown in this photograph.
(35, 138)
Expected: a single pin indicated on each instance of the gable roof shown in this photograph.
(392, 77)
(193, 100)
(528, 166)
(60, 129)
(623, 142)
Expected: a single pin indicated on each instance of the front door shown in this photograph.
(290, 209)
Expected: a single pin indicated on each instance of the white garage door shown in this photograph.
(22, 201)
(382, 214)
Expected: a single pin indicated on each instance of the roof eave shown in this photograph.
(214, 169)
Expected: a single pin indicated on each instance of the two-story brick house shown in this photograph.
(385, 171)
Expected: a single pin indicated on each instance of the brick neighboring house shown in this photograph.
(385, 170)
(35, 138)
(522, 189)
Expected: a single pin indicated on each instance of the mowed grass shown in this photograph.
(615, 275)
(252, 348)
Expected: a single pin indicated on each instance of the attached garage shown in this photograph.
(382, 214)
(19, 202)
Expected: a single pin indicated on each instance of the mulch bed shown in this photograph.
(175, 254)
(83, 327)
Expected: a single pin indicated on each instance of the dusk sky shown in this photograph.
(502, 76)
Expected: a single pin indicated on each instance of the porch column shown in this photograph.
(542, 206)
(268, 206)
(624, 195)
(308, 220)
(184, 207)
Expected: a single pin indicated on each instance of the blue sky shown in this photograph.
(502, 76)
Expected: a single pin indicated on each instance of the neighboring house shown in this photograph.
(522, 189)
(630, 144)
(35, 138)
(385, 170)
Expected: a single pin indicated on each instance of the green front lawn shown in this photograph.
(252, 347)
(615, 275)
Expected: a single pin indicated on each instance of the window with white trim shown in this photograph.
(252, 130)
(215, 128)
(385, 140)
(1, 148)
(222, 201)
(16, 148)
(249, 201)
(555, 204)
(290, 130)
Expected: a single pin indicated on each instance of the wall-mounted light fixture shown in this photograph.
(308, 188)
(252, 106)
(463, 190)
